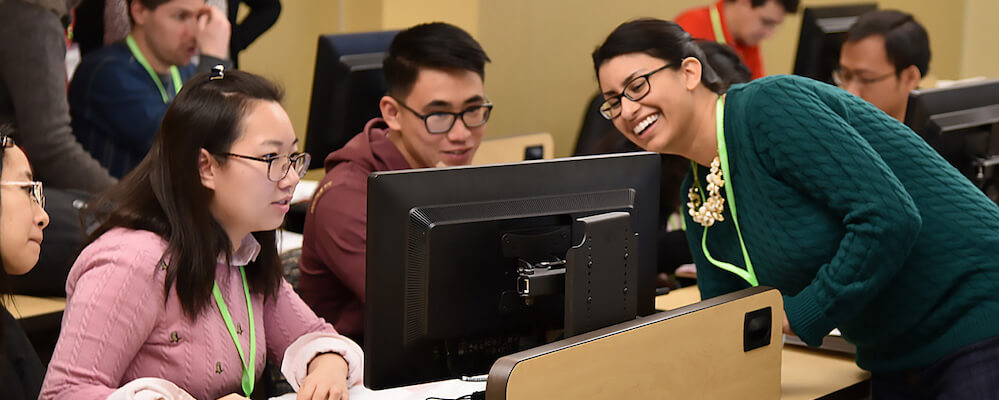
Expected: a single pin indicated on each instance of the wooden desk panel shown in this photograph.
(25, 307)
(693, 352)
(805, 373)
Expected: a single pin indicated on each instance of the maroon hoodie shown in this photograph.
(332, 263)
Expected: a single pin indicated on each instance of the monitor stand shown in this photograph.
(601, 275)
(598, 277)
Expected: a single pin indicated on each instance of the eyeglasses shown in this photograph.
(278, 166)
(442, 121)
(6, 142)
(843, 77)
(635, 90)
(33, 188)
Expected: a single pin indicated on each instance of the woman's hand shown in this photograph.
(787, 326)
(233, 396)
(326, 379)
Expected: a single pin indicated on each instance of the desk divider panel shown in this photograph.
(696, 351)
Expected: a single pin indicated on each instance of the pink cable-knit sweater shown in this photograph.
(118, 327)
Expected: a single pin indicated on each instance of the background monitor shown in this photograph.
(448, 288)
(823, 31)
(346, 89)
(962, 123)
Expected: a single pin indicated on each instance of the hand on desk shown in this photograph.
(326, 379)
(787, 326)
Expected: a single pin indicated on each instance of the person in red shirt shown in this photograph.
(741, 24)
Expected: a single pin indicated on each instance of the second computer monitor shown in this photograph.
(346, 89)
(468, 264)
(823, 31)
(961, 122)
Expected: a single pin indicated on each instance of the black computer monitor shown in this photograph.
(468, 264)
(962, 123)
(823, 31)
(346, 89)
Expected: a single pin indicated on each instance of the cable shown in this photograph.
(480, 395)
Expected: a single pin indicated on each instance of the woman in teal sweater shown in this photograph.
(801, 186)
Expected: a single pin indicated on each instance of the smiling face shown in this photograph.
(21, 219)
(434, 91)
(660, 120)
(244, 200)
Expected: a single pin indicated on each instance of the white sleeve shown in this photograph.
(150, 389)
(298, 355)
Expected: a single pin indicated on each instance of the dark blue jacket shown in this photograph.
(116, 107)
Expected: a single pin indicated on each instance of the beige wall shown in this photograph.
(541, 77)
(980, 50)
(286, 53)
(400, 14)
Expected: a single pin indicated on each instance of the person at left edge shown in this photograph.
(119, 93)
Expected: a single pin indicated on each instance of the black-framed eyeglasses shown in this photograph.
(33, 188)
(636, 89)
(442, 121)
(6, 142)
(278, 166)
(843, 77)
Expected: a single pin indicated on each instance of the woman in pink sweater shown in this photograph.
(183, 281)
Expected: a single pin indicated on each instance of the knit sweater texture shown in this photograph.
(857, 221)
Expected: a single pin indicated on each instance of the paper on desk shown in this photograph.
(288, 241)
(450, 389)
(304, 191)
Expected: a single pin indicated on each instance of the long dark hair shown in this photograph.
(164, 193)
(664, 40)
(5, 289)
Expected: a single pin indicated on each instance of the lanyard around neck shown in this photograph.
(174, 72)
(746, 274)
(716, 24)
(249, 365)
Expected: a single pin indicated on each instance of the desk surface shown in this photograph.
(24, 307)
(805, 373)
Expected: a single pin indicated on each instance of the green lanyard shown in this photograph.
(249, 365)
(174, 72)
(716, 24)
(746, 274)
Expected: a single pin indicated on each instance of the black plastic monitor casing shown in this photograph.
(441, 298)
(823, 31)
(961, 123)
(346, 89)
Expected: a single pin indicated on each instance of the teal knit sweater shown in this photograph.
(857, 221)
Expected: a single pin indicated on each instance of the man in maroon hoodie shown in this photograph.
(434, 115)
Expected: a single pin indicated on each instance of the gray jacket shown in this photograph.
(33, 94)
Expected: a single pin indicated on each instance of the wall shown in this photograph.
(286, 54)
(541, 77)
(980, 50)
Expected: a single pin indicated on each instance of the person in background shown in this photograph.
(858, 222)
(741, 24)
(885, 56)
(119, 93)
(22, 219)
(181, 294)
(262, 16)
(434, 115)
(33, 94)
